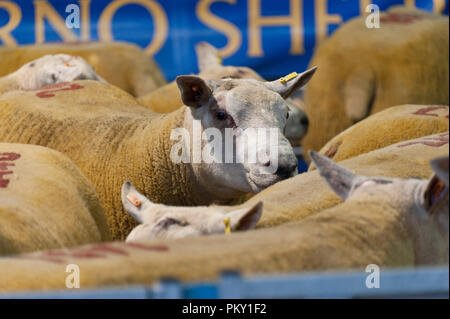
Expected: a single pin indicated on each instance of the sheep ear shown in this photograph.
(287, 88)
(435, 196)
(440, 167)
(340, 179)
(207, 56)
(135, 203)
(194, 91)
(245, 219)
(359, 93)
(100, 79)
(437, 187)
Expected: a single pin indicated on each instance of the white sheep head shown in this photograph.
(211, 67)
(236, 105)
(52, 69)
(162, 221)
(424, 203)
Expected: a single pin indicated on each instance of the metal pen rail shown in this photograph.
(430, 282)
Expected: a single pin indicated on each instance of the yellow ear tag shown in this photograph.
(288, 77)
(226, 221)
(219, 59)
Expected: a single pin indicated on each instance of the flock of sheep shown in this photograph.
(86, 175)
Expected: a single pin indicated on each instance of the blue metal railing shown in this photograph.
(430, 282)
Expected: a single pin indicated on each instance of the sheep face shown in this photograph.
(210, 66)
(249, 117)
(423, 203)
(161, 221)
(52, 69)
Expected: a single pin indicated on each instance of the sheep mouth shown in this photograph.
(260, 182)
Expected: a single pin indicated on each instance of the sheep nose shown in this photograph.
(286, 170)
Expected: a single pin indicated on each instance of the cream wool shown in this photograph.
(45, 202)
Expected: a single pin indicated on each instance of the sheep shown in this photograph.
(387, 127)
(105, 133)
(49, 69)
(389, 222)
(420, 207)
(167, 98)
(45, 202)
(161, 221)
(122, 64)
(363, 71)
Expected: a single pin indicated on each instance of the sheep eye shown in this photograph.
(168, 221)
(287, 115)
(221, 115)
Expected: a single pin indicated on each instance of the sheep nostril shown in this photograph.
(304, 121)
(267, 164)
(286, 171)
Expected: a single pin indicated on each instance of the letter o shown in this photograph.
(154, 8)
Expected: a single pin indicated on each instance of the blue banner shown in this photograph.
(272, 37)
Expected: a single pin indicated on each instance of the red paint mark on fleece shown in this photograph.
(48, 91)
(401, 18)
(427, 110)
(3, 181)
(9, 156)
(148, 247)
(5, 167)
(99, 251)
(331, 151)
(438, 141)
